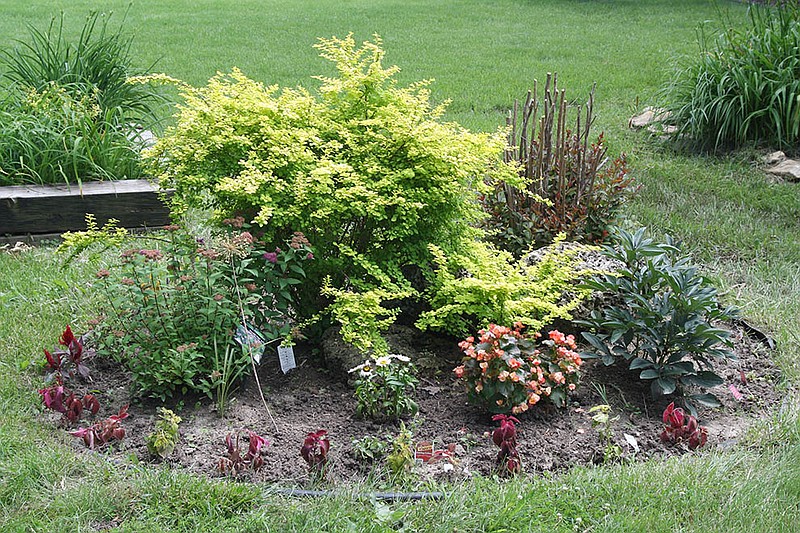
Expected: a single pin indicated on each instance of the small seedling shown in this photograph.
(508, 459)
(602, 422)
(401, 459)
(315, 451)
(683, 428)
(235, 463)
(163, 440)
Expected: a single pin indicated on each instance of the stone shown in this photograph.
(774, 158)
(647, 117)
(788, 169)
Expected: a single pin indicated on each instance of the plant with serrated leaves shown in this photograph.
(364, 167)
(664, 322)
(164, 438)
(385, 386)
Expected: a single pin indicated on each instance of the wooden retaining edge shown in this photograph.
(33, 212)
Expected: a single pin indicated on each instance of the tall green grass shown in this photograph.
(743, 86)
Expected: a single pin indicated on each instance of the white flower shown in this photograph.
(365, 372)
(383, 361)
(399, 357)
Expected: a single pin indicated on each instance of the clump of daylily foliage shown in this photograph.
(315, 451)
(505, 437)
(384, 387)
(234, 463)
(682, 428)
(505, 371)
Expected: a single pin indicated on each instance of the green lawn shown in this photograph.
(483, 54)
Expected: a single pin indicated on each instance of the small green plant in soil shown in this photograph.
(164, 438)
(506, 372)
(371, 449)
(508, 461)
(602, 422)
(664, 321)
(234, 462)
(400, 459)
(385, 386)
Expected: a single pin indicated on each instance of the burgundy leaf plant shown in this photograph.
(315, 450)
(505, 437)
(103, 431)
(235, 463)
(682, 428)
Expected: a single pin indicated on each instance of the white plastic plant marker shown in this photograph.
(249, 338)
(286, 356)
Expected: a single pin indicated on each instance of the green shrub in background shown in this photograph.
(666, 324)
(744, 86)
(68, 113)
(363, 167)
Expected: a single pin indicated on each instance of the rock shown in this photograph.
(788, 169)
(648, 117)
(774, 158)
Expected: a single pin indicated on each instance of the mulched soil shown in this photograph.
(310, 398)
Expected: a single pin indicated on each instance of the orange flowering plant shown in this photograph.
(505, 371)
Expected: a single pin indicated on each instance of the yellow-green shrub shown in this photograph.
(363, 167)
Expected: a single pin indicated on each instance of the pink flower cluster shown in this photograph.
(507, 372)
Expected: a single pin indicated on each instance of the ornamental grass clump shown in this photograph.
(505, 371)
(69, 113)
(743, 86)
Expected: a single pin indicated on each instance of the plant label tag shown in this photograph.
(286, 356)
(252, 340)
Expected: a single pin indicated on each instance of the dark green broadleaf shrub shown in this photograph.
(570, 185)
(744, 85)
(663, 324)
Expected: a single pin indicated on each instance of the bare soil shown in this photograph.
(311, 397)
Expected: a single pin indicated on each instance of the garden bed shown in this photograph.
(310, 398)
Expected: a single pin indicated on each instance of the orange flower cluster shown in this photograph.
(506, 371)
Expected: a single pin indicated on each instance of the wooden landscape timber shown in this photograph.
(30, 212)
